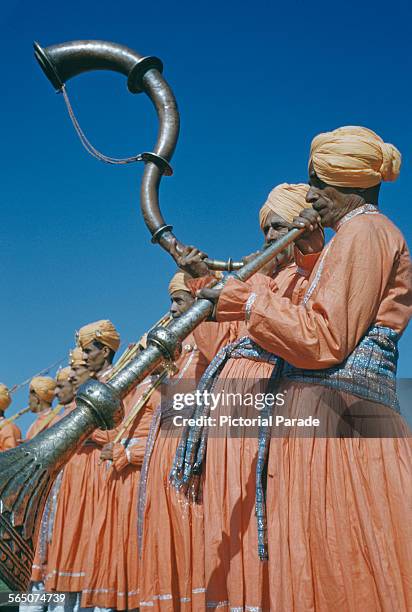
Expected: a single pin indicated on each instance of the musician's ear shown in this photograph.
(108, 354)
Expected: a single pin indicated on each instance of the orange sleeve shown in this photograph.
(102, 437)
(210, 337)
(120, 459)
(356, 271)
(131, 455)
(195, 284)
(133, 452)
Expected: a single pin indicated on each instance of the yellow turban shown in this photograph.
(285, 200)
(178, 282)
(354, 156)
(76, 357)
(44, 387)
(63, 375)
(5, 399)
(101, 331)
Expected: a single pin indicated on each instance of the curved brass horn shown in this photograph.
(144, 74)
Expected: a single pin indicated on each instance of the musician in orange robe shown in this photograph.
(65, 395)
(339, 496)
(41, 396)
(82, 481)
(171, 533)
(10, 434)
(112, 576)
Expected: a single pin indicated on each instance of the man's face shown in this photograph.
(275, 228)
(331, 203)
(95, 356)
(34, 402)
(180, 302)
(64, 392)
(78, 376)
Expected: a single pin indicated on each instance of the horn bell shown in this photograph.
(27, 474)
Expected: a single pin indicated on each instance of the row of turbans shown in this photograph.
(45, 386)
(350, 156)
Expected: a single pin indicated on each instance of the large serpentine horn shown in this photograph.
(144, 74)
(65, 61)
(28, 472)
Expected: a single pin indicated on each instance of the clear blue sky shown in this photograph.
(254, 82)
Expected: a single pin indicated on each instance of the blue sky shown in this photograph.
(254, 83)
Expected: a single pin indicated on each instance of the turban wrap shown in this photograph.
(76, 357)
(178, 282)
(5, 399)
(99, 331)
(354, 156)
(63, 375)
(285, 200)
(44, 387)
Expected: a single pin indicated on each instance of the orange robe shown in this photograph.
(112, 578)
(338, 508)
(82, 482)
(39, 568)
(10, 435)
(172, 538)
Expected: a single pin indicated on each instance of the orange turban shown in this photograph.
(354, 156)
(44, 387)
(5, 399)
(76, 357)
(285, 200)
(63, 375)
(101, 331)
(178, 282)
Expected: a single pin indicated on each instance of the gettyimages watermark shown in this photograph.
(239, 408)
(222, 399)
